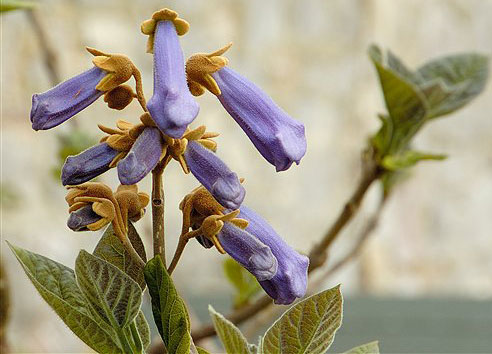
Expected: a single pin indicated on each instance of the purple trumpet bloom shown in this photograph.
(63, 101)
(172, 106)
(79, 219)
(278, 137)
(142, 157)
(248, 251)
(290, 281)
(88, 164)
(214, 175)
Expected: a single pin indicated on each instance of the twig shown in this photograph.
(159, 241)
(49, 54)
(317, 256)
(367, 230)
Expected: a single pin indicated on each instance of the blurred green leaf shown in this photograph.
(407, 159)
(57, 285)
(71, 143)
(307, 327)
(112, 250)
(170, 314)
(115, 297)
(143, 329)
(231, 337)
(369, 348)
(202, 351)
(451, 82)
(11, 5)
(243, 281)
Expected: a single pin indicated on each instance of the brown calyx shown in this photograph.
(119, 97)
(118, 66)
(148, 26)
(199, 70)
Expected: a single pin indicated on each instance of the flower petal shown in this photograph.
(63, 101)
(142, 157)
(172, 106)
(87, 165)
(247, 250)
(279, 138)
(214, 174)
(290, 281)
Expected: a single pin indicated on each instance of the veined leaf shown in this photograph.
(170, 314)
(143, 329)
(57, 285)
(369, 348)
(11, 5)
(451, 82)
(243, 281)
(112, 250)
(407, 159)
(231, 337)
(307, 327)
(114, 295)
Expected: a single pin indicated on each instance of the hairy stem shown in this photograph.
(317, 255)
(183, 240)
(139, 88)
(159, 241)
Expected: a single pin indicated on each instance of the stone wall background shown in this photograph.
(434, 237)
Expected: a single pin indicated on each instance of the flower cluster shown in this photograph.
(214, 211)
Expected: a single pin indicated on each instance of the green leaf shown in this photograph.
(11, 5)
(307, 327)
(200, 350)
(231, 337)
(112, 250)
(143, 329)
(243, 281)
(57, 285)
(369, 348)
(407, 159)
(403, 99)
(170, 314)
(115, 297)
(451, 82)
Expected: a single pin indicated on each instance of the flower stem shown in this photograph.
(139, 89)
(183, 240)
(159, 241)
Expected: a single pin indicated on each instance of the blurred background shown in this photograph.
(422, 282)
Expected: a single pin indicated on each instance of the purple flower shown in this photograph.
(248, 251)
(63, 101)
(290, 280)
(278, 137)
(88, 164)
(214, 175)
(172, 106)
(81, 218)
(142, 157)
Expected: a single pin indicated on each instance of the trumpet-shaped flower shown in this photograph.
(290, 280)
(63, 101)
(279, 138)
(213, 174)
(88, 164)
(172, 106)
(142, 157)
